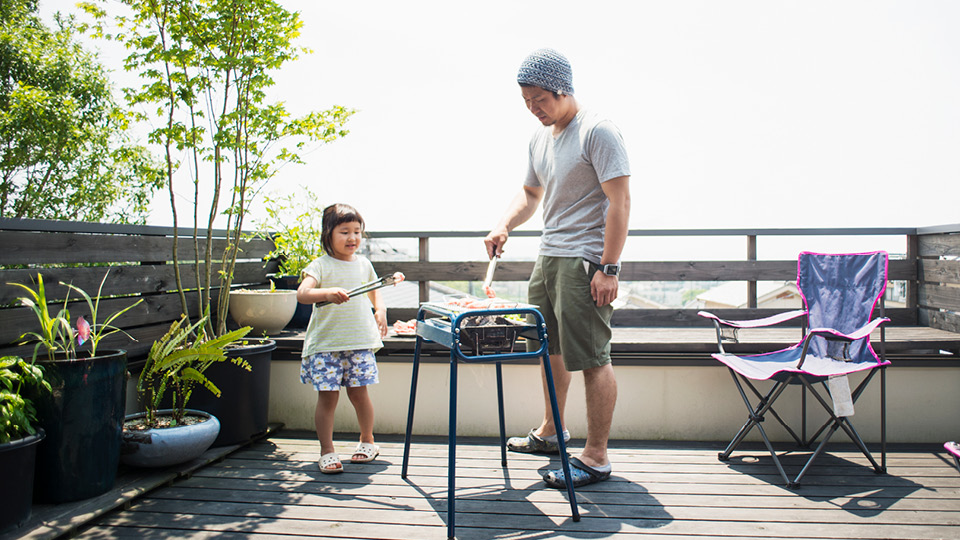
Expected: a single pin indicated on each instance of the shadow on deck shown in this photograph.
(273, 488)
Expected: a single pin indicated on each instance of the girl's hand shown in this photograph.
(337, 296)
(381, 317)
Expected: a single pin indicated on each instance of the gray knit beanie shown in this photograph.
(547, 69)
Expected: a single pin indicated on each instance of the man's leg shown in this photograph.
(601, 389)
(561, 384)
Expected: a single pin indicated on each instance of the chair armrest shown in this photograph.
(836, 335)
(858, 334)
(724, 334)
(756, 323)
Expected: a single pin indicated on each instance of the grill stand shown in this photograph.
(448, 335)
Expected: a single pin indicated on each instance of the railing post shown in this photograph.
(913, 286)
(424, 256)
(752, 285)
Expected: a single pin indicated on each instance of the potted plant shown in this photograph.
(176, 365)
(205, 69)
(82, 416)
(294, 224)
(19, 438)
(267, 311)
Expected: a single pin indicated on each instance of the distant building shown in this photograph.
(733, 294)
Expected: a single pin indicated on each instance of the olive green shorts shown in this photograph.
(576, 327)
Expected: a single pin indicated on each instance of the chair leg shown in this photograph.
(755, 419)
(756, 412)
(883, 419)
(410, 408)
(836, 423)
(776, 416)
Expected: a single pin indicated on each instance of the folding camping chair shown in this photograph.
(953, 448)
(840, 292)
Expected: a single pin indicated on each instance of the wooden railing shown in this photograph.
(139, 260)
(928, 265)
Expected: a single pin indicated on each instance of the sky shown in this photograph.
(748, 113)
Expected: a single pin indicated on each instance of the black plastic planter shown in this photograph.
(301, 317)
(83, 420)
(17, 461)
(245, 395)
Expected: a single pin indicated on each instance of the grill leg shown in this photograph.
(410, 407)
(452, 449)
(564, 458)
(503, 428)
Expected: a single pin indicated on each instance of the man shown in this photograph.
(579, 170)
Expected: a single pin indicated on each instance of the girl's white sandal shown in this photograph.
(327, 460)
(369, 451)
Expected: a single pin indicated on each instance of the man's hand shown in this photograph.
(494, 242)
(603, 288)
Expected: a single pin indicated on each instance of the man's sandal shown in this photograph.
(330, 463)
(581, 473)
(367, 452)
(533, 444)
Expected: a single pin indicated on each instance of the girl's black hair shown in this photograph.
(334, 215)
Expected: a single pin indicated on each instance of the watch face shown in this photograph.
(611, 269)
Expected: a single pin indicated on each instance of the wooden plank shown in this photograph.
(940, 271)
(632, 271)
(63, 248)
(162, 308)
(672, 490)
(56, 520)
(137, 347)
(688, 342)
(674, 318)
(658, 318)
(939, 245)
(122, 280)
(942, 320)
(936, 296)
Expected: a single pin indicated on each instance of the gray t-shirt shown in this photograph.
(570, 168)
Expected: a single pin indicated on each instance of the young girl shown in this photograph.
(338, 350)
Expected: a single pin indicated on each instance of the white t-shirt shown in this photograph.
(348, 326)
(570, 168)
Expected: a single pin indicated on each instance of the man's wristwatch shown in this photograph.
(610, 269)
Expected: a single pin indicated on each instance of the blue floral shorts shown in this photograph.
(329, 371)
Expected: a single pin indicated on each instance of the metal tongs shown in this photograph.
(488, 279)
(392, 279)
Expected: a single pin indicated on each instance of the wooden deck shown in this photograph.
(273, 489)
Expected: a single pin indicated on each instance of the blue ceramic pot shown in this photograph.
(161, 447)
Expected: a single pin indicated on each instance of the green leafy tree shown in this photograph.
(205, 67)
(65, 148)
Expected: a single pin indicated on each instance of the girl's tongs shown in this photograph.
(397, 277)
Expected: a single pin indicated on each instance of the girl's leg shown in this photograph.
(362, 403)
(323, 418)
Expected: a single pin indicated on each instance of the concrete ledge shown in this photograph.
(678, 403)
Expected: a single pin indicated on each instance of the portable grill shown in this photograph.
(481, 336)
(482, 332)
